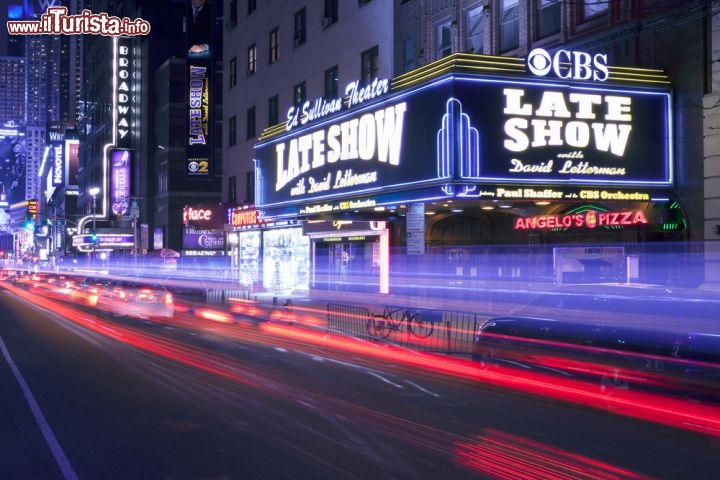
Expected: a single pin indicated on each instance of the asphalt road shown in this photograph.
(83, 397)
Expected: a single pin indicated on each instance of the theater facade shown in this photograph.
(474, 165)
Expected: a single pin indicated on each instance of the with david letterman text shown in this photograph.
(574, 120)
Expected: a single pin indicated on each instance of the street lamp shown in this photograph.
(93, 236)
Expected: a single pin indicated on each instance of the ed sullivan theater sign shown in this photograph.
(465, 132)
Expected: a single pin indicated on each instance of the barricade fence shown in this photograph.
(348, 320)
(424, 329)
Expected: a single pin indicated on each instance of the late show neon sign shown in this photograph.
(374, 136)
(576, 120)
(590, 219)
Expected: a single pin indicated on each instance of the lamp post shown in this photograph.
(94, 192)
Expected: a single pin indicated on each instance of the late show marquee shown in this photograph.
(467, 134)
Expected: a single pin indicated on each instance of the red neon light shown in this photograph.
(590, 219)
(242, 217)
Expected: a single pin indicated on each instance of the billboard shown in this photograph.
(199, 92)
(474, 131)
(120, 163)
(12, 164)
(72, 163)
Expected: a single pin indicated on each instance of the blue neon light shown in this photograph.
(460, 118)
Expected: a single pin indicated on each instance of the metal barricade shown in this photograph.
(347, 320)
(426, 329)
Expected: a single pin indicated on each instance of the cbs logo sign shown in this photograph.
(568, 65)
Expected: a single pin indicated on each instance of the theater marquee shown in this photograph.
(464, 135)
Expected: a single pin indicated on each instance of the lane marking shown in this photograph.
(57, 451)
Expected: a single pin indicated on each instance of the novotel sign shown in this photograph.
(568, 65)
(58, 165)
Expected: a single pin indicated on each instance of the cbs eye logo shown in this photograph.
(568, 65)
(539, 62)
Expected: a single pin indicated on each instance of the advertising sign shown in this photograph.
(206, 215)
(203, 240)
(198, 147)
(474, 131)
(125, 93)
(120, 162)
(72, 162)
(12, 163)
(57, 165)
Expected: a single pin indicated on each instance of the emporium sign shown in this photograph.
(587, 220)
(474, 131)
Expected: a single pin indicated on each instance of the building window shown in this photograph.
(299, 93)
(274, 45)
(509, 25)
(251, 60)
(250, 190)
(232, 131)
(232, 189)
(369, 65)
(300, 27)
(444, 40)
(330, 81)
(474, 30)
(233, 13)
(409, 55)
(330, 13)
(163, 182)
(273, 110)
(252, 5)
(594, 7)
(548, 17)
(250, 130)
(232, 81)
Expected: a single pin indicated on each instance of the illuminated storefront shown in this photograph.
(492, 150)
(268, 255)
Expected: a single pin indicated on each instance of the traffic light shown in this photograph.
(93, 237)
(28, 224)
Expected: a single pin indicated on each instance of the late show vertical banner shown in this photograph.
(199, 91)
